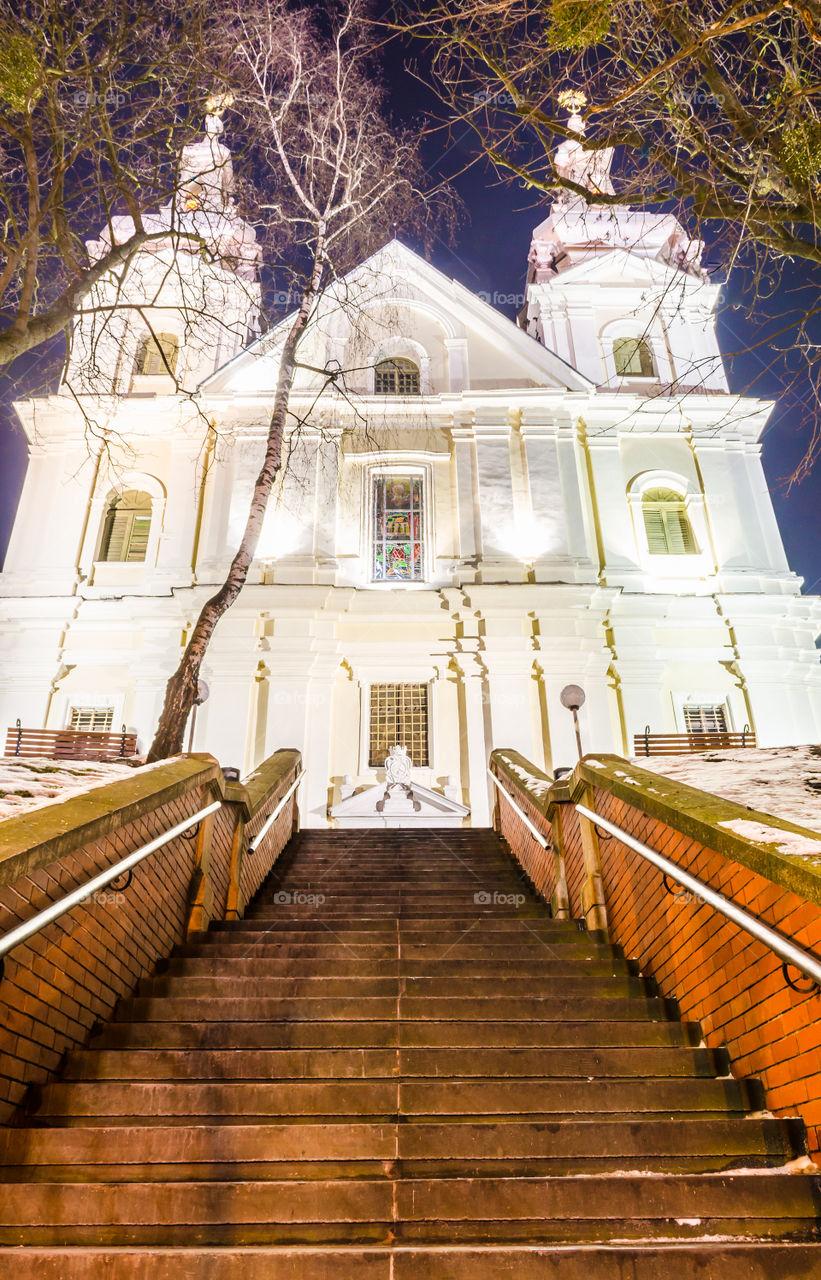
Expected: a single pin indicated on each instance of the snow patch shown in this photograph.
(784, 841)
(34, 782)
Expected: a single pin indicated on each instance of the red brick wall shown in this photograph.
(538, 863)
(70, 975)
(721, 976)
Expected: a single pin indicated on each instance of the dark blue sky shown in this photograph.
(489, 256)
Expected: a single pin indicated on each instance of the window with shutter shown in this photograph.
(91, 719)
(399, 717)
(126, 528)
(157, 354)
(396, 377)
(633, 358)
(669, 532)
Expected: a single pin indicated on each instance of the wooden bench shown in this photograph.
(70, 744)
(685, 744)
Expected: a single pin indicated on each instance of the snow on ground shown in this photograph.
(30, 783)
(783, 781)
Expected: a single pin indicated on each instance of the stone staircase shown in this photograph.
(421, 1077)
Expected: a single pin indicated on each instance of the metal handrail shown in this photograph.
(85, 891)
(272, 817)
(535, 832)
(787, 951)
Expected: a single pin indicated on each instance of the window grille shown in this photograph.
(157, 354)
(92, 719)
(396, 377)
(633, 358)
(705, 719)
(126, 528)
(669, 532)
(399, 717)
(398, 541)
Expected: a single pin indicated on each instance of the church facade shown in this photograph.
(473, 514)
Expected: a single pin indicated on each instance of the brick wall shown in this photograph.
(69, 976)
(721, 976)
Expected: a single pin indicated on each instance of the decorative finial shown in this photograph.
(573, 100)
(214, 108)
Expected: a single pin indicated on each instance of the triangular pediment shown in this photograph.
(418, 807)
(396, 295)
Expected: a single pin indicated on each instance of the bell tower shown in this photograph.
(188, 299)
(617, 292)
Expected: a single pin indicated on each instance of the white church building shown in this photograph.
(474, 512)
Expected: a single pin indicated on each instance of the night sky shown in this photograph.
(489, 256)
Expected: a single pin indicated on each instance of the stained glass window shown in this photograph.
(399, 717)
(397, 529)
(396, 377)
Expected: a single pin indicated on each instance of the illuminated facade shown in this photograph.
(474, 514)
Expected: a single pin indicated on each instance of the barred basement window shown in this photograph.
(157, 354)
(633, 358)
(399, 717)
(705, 719)
(397, 529)
(126, 528)
(91, 719)
(669, 532)
(396, 377)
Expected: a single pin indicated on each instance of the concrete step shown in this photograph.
(224, 1101)
(264, 986)
(530, 1261)
(157, 1152)
(287, 1064)
(490, 1008)
(256, 1034)
(552, 1209)
(339, 966)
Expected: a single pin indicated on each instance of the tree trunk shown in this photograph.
(181, 690)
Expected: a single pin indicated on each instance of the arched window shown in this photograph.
(669, 532)
(396, 377)
(157, 354)
(126, 527)
(633, 358)
(398, 528)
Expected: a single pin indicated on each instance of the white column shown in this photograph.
(458, 371)
(464, 450)
(474, 691)
(496, 506)
(325, 510)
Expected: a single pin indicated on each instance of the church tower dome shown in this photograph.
(189, 299)
(596, 265)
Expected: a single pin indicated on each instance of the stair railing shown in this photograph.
(83, 892)
(787, 951)
(272, 817)
(534, 831)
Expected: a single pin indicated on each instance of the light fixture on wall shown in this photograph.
(572, 696)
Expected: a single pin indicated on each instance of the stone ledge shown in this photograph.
(42, 836)
(262, 785)
(697, 814)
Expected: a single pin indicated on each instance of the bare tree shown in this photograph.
(342, 181)
(93, 101)
(713, 107)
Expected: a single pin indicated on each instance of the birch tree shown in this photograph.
(341, 181)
